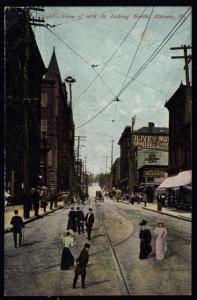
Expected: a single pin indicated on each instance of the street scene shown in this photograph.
(98, 151)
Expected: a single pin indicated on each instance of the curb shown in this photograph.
(177, 217)
(35, 218)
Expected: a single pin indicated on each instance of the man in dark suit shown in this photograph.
(80, 269)
(18, 225)
(89, 221)
(80, 219)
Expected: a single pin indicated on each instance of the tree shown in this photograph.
(102, 179)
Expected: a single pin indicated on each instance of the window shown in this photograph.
(50, 158)
(44, 100)
(43, 125)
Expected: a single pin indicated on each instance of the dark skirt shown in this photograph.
(72, 224)
(67, 260)
(145, 250)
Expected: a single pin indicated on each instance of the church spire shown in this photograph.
(53, 69)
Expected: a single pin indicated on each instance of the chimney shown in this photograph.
(151, 124)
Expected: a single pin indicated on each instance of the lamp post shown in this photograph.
(70, 80)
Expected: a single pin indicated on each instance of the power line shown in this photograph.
(124, 39)
(152, 56)
(137, 48)
(98, 75)
(104, 108)
(155, 53)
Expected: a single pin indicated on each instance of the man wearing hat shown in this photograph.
(89, 221)
(79, 220)
(145, 240)
(80, 269)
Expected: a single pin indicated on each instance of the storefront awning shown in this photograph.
(182, 179)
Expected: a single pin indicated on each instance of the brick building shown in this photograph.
(22, 102)
(57, 131)
(115, 173)
(149, 155)
(179, 131)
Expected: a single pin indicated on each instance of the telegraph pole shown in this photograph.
(187, 57)
(131, 159)
(79, 138)
(112, 144)
(106, 157)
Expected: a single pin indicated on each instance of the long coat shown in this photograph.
(72, 220)
(82, 262)
(89, 221)
(145, 247)
(79, 216)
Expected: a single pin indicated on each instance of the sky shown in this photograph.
(118, 40)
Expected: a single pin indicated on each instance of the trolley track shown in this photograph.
(114, 255)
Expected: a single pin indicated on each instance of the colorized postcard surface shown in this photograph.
(98, 159)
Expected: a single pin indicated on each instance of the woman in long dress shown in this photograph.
(145, 240)
(72, 220)
(67, 260)
(161, 244)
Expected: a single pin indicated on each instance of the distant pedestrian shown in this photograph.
(18, 226)
(44, 199)
(145, 240)
(67, 259)
(80, 269)
(80, 220)
(72, 220)
(35, 200)
(27, 203)
(51, 198)
(89, 221)
(132, 198)
(161, 244)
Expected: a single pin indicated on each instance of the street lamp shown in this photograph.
(70, 80)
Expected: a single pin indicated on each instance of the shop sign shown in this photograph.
(151, 141)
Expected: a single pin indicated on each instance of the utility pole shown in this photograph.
(187, 57)
(112, 153)
(86, 176)
(106, 157)
(131, 159)
(79, 138)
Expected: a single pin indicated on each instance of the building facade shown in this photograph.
(179, 107)
(148, 157)
(151, 154)
(57, 131)
(22, 102)
(115, 173)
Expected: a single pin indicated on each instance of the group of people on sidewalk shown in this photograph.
(39, 197)
(145, 240)
(76, 220)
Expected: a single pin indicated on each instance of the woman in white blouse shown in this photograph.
(67, 260)
(161, 245)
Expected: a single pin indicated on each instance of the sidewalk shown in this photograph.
(170, 211)
(9, 213)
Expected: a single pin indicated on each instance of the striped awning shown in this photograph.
(182, 179)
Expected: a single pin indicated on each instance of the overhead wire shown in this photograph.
(135, 54)
(151, 57)
(85, 60)
(124, 39)
(155, 52)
